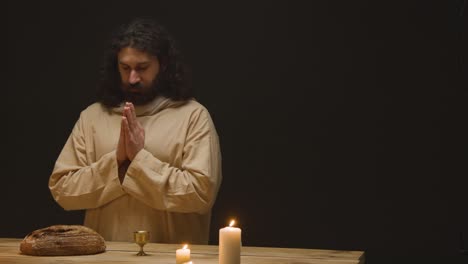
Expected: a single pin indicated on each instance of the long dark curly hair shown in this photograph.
(146, 35)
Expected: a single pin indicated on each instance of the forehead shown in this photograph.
(129, 55)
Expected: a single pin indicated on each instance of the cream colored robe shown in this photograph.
(170, 186)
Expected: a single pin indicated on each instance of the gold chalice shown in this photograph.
(141, 238)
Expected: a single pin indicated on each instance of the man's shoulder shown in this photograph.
(193, 107)
(188, 107)
(94, 109)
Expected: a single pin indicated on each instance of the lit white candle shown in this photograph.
(229, 244)
(182, 255)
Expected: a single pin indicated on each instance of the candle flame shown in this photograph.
(232, 223)
(185, 246)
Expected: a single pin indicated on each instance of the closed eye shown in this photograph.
(124, 67)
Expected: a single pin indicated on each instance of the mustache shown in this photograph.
(138, 85)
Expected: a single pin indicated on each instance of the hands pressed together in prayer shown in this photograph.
(131, 141)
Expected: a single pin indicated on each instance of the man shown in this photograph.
(146, 156)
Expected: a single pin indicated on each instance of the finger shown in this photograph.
(128, 116)
(133, 113)
(122, 128)
(132, 107)
(121, 155)
(126, 127)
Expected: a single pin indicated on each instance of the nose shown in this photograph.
(134, 77)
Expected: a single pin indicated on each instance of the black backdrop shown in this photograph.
(342, 123)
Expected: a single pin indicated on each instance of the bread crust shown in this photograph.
(63, 240)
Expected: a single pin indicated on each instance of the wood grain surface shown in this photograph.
(123, 252)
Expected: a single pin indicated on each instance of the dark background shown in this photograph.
(342, 123)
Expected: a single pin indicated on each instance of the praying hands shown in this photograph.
(131, 141)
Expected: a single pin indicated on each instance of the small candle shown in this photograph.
(229, 244)
(182, 255)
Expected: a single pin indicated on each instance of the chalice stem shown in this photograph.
(141, 253)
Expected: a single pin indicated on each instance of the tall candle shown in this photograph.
(229, 244)
(182, 255)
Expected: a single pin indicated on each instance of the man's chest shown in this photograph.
(164, 136)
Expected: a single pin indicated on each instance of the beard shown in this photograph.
(138, 94)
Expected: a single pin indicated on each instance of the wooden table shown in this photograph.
(122, 252)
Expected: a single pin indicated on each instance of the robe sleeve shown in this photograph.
(77, 181)
(190, 188)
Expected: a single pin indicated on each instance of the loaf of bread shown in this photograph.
(63, 240)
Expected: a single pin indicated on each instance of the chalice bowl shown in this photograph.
(141, 238)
